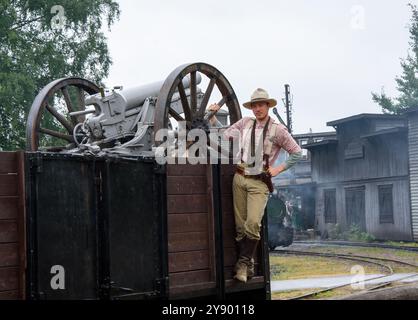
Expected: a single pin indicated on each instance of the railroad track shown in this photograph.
(365, 259)
(358, 244)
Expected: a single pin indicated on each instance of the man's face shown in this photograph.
(260, 110)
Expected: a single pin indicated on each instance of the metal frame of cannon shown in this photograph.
(89, 119)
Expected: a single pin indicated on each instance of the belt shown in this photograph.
(241, 172)
(265, 178)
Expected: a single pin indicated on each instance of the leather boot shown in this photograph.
(250, 269)
(245, 265)
(249, 252)
(241, 269)
(241, 265)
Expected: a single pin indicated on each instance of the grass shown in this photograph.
(402, 244)
(298, 267)
(406, 256)
(288, 294)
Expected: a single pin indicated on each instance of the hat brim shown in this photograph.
(272, 103)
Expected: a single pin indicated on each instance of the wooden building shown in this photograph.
(412, 116)
(295, 185)
(363, 176)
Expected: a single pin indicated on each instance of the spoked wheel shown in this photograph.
(192, 113)
(50, 125)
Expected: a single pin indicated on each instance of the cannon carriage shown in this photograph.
(125, 121)
(116, 223)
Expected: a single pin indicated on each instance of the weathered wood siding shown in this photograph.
(377, 161)
(190, 229)
(12, 232)
(399, 230)
(384, 156)
(324, 164)
(382, 124)
(413, 170)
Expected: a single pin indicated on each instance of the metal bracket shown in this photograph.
(161, 285)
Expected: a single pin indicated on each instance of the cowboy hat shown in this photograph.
(260, 95)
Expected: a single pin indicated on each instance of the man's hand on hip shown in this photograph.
(276, 171)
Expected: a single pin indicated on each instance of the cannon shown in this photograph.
(97, 204)
(74, 115)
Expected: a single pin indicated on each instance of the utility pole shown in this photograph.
(288, 105)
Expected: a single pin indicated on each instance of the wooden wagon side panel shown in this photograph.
(190, 229)
(228, 220)
(229, 243)
(12, 226)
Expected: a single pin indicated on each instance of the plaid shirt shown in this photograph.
(282, 139)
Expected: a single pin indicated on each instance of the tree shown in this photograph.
(407, 83)
(42, 40)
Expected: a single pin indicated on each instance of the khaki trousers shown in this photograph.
(250, 200)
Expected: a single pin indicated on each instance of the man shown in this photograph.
(260, 141)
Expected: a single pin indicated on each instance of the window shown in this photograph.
(355, 206)
(386, 204)
(305, 154)
(330, 206)
(302, 142)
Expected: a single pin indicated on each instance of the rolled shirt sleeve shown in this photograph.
(292, 160)
(285, 140)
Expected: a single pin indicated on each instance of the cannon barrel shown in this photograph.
(136, 96)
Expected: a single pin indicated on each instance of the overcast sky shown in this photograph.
(332, 53)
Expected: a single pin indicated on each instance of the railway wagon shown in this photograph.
(85, 227)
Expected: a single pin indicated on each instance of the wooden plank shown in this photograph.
(229, 238)
(21, 223)
(186, 203)
(186, 185)
(237, 286)
(189, 222)
(187, 241)
(9, 255)
(228, 169)
(211, 222)
(230, 257)
(8, 162)
(187, 278)
(188, 261)
(228, 220)
(9, 279)
(9, 295)
(8, 208)
(186, 170)
(8, 184)
(192, 291)
(8, 231)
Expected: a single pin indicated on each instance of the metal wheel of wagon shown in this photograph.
(194, 114)
(49, 124)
